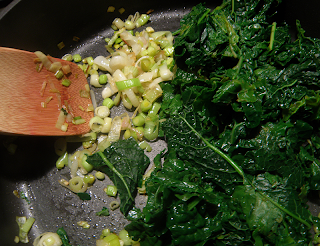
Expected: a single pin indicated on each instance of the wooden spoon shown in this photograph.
(22, 107)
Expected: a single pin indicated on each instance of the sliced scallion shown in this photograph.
(66, 82)
(77, 58)
(27, 225)
(59, 74)
(108, 102)
(103, 79)
(111, 190)
(142, 20)
(128, 83)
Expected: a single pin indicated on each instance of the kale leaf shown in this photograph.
(241, 120)
(125, 163)
(104, 212)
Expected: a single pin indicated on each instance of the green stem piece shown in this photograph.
(104, 158)
(242, 174)
(273, 30)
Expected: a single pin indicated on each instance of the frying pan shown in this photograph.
(40, 25)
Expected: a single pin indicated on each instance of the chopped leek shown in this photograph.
(27, 225)
(66, 82)
(138, 120)
(142, 20)
(103, 79)
(126, 84)
(145, 145)
(89, 179)
(96, 124)
(145, 105)
(153, 93)
(154, 109)
(151, 129)
(83, 224)
(23, 234)
(111, 190)
(108, 102)
(102, 111)
(59, 74)
(114, 205)
(100, 175)
(87, 166)
(48, 239)
(62, 161)
(77, 58)
(77, 184)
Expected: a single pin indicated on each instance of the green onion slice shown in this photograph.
(128, 83)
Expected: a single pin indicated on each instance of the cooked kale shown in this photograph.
(241, 120)
(124, 162)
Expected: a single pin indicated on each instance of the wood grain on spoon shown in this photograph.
(21, 111)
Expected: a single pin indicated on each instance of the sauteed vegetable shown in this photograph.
(242, 128)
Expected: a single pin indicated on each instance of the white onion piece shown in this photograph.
(61, 120)
(155, 82)
(94, 80)
(140, 59)
(93, 99)
(51, 236)
(102, 63)
(44, 59)
(146, 77)
(55, 67)
(144, 38)
(102, 111)
(132, 97)
(74, 164)
(168, 34)
(114, 134)
(118, 62)
(165, 73)
(118, 23)
(131, 41)
(107, 92)
(118, 75)
(96, 124)
(112, 83)
(125, 102)
(107, 125)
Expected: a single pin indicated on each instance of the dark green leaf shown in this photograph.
(104, 212)
(84, 196)
(127, 159)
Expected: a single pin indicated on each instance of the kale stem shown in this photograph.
(109, 164)
(232, 139)
(232, 7)
(240, 171)
(218, 151)
(282, 87)
(238, 66)
(204, 15)
(285, 210)
(273, 30)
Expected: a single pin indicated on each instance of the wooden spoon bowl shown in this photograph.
(22, 97)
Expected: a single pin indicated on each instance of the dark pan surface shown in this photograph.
(41, 25)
